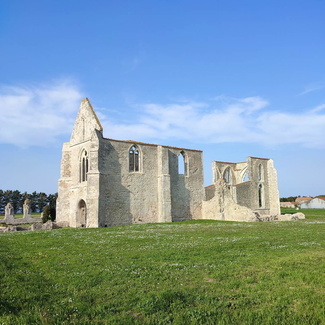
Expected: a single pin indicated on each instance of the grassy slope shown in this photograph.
(198, 272)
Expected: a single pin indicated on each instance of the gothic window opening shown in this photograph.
(260, 196)
(181, 163)
(134, 159)
(260, 172)
(84, 165)
(226, 175)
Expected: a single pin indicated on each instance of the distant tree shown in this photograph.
(51, 199)
(2, 202)
(15, 200)
(52, 203)
(288, 199)
(7, 196)
(33, 201)
(37, 200)
(41, 201)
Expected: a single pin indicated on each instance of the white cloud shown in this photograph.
(244, 120)
(37, 115)
(318, 108)
(312, 87)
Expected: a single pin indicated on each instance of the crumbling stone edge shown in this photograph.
(281, 217)
(55, 225)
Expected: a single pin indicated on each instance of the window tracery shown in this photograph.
(134, 159)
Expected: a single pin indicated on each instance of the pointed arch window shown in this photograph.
(245, 177)
(84, 165)
(260, 172)
(134, 159)
(226, 175)
(181, 163)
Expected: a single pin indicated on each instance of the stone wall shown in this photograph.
(155, 193)
(222, 206)
(260, 192)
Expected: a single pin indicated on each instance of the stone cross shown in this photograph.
(26, 208)
(9, 210)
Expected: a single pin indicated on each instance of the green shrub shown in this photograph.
(48, 214)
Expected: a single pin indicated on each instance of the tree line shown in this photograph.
(37, 200)
(293, 198)
(288, 199)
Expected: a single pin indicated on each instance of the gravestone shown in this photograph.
(9, 210)
(26, 209)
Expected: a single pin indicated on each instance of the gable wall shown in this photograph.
(315, 203)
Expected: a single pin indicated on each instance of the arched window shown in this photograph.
(260, 172)
(226, 175)
(181, 163)
(84, 166)
(260, 196)
(134, 159)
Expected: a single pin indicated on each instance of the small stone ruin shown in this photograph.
(10, 219)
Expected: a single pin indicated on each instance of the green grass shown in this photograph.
(197, 272)
(310, 213)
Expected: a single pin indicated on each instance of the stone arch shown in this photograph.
(260, 172)
(244, 177)
(82, 214)
(216, 174)
(83, 165)
(227, 176)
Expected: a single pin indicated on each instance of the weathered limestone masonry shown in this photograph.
(106, 182)
(251, 184)
(10, 219)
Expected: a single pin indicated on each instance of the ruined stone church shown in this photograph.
(106, 182)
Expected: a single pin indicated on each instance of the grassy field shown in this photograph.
(20, 215)
(197, 272)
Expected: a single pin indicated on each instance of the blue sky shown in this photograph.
(232, 78)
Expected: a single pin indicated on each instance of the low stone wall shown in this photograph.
(35, 226)
(11, 220)
(282, 217)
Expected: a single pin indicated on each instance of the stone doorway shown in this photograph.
(82, 214)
